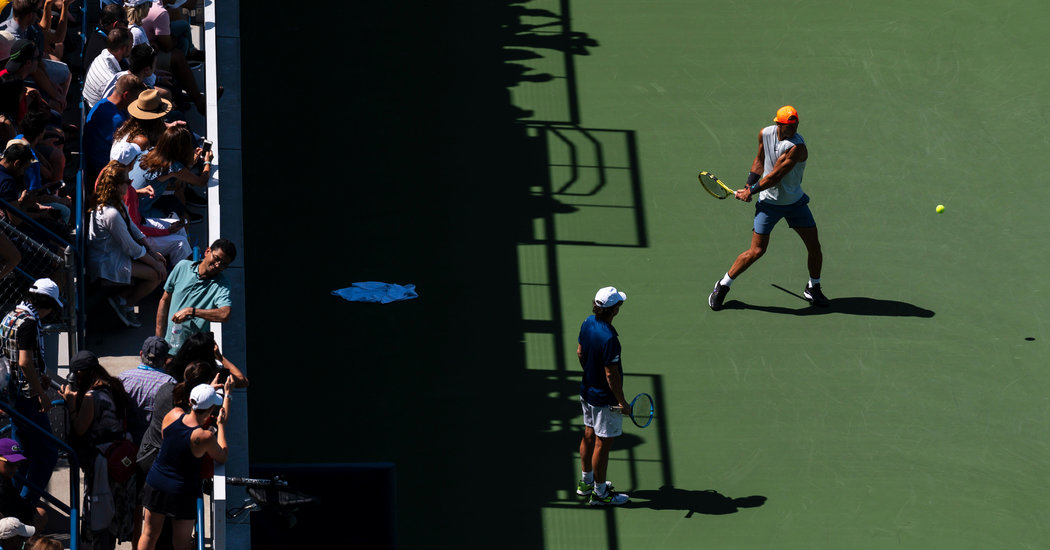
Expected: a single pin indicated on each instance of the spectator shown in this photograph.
(171, 57)
(202, 347)
(117, 251)
(199, 294)
(179, 28)
(47, 167)
(98, 411)
(102, 122)
(165, 235)
(20, 61)
(50, 77)
(41, 542)
(173, 484)
(13, 533)
(169, 164)
(142, 62)
(146, 123)
(23, 345)
(10, 257)
(142, 384)
(111, 17)
(196, 373)
(14, 161)
(106, 65)
(137, 10)
(11, 502)
(54, 23)
(19, 66)
(6, 41)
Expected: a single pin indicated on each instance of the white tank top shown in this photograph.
(789, 190)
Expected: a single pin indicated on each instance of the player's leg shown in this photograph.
(766, 217)
(600, 460)
(587, 449)
(607, 427)
(759, 244)
(815, 262)
(815, 258)
(587, 442)
(586, 484)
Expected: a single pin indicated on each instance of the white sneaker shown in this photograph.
(610, 498)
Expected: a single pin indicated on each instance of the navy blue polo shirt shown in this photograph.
(600, 346)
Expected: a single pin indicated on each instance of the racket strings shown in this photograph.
(710, 183)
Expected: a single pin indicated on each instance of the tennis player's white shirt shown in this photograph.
(789, 190)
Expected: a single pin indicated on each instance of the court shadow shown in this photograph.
(709, 502)
(857, 305)
(853, 305)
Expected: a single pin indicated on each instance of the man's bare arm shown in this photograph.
(162, 314)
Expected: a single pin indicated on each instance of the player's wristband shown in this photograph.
(752, 178)
(754, 188)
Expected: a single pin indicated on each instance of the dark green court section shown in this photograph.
(511, 158)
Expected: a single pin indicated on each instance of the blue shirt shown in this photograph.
(102, 122)
(140, 178)
(10, 187)
(33, 178)
(600, 346)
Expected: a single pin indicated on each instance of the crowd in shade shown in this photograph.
(145, 438)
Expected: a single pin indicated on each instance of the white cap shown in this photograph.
(204, 397)
(6, 41)
(609, 297)
(133, 3)
(47, 287)
(125, 152)
(13, 527)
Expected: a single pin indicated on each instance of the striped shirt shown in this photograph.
(142, 385)
(98, 76)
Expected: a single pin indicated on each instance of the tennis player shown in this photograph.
(600, 391)
(776, 179)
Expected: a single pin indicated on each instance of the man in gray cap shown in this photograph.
(143, 382)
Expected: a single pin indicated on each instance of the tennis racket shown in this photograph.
(641, 410)
(714, 186)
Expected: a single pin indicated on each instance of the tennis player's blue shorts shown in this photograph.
(797, 215)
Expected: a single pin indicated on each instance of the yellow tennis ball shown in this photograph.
(940, 208)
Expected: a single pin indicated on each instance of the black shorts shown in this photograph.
(174, 506)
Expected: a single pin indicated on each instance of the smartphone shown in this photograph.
(205, 145)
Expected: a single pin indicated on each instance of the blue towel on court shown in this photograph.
(382, 293)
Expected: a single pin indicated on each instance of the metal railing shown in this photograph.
(74, 473)
(56, 262)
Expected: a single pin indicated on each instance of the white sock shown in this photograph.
(726, 281)
(814, 282)
(588, 478)
(601, 488)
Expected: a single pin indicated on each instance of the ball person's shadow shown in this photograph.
(709, 501)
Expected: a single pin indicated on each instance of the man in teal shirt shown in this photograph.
(198, 293)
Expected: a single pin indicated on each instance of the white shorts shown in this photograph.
(174, 247)
(605, 421)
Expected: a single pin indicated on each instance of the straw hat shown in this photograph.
(149, 106)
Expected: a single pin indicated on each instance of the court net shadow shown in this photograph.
(708, 502)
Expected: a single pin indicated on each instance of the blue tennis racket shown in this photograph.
(642, 410)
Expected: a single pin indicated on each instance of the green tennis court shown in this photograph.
(912, 413)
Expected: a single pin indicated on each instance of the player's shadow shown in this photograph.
(708, 502)
(853, 305)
